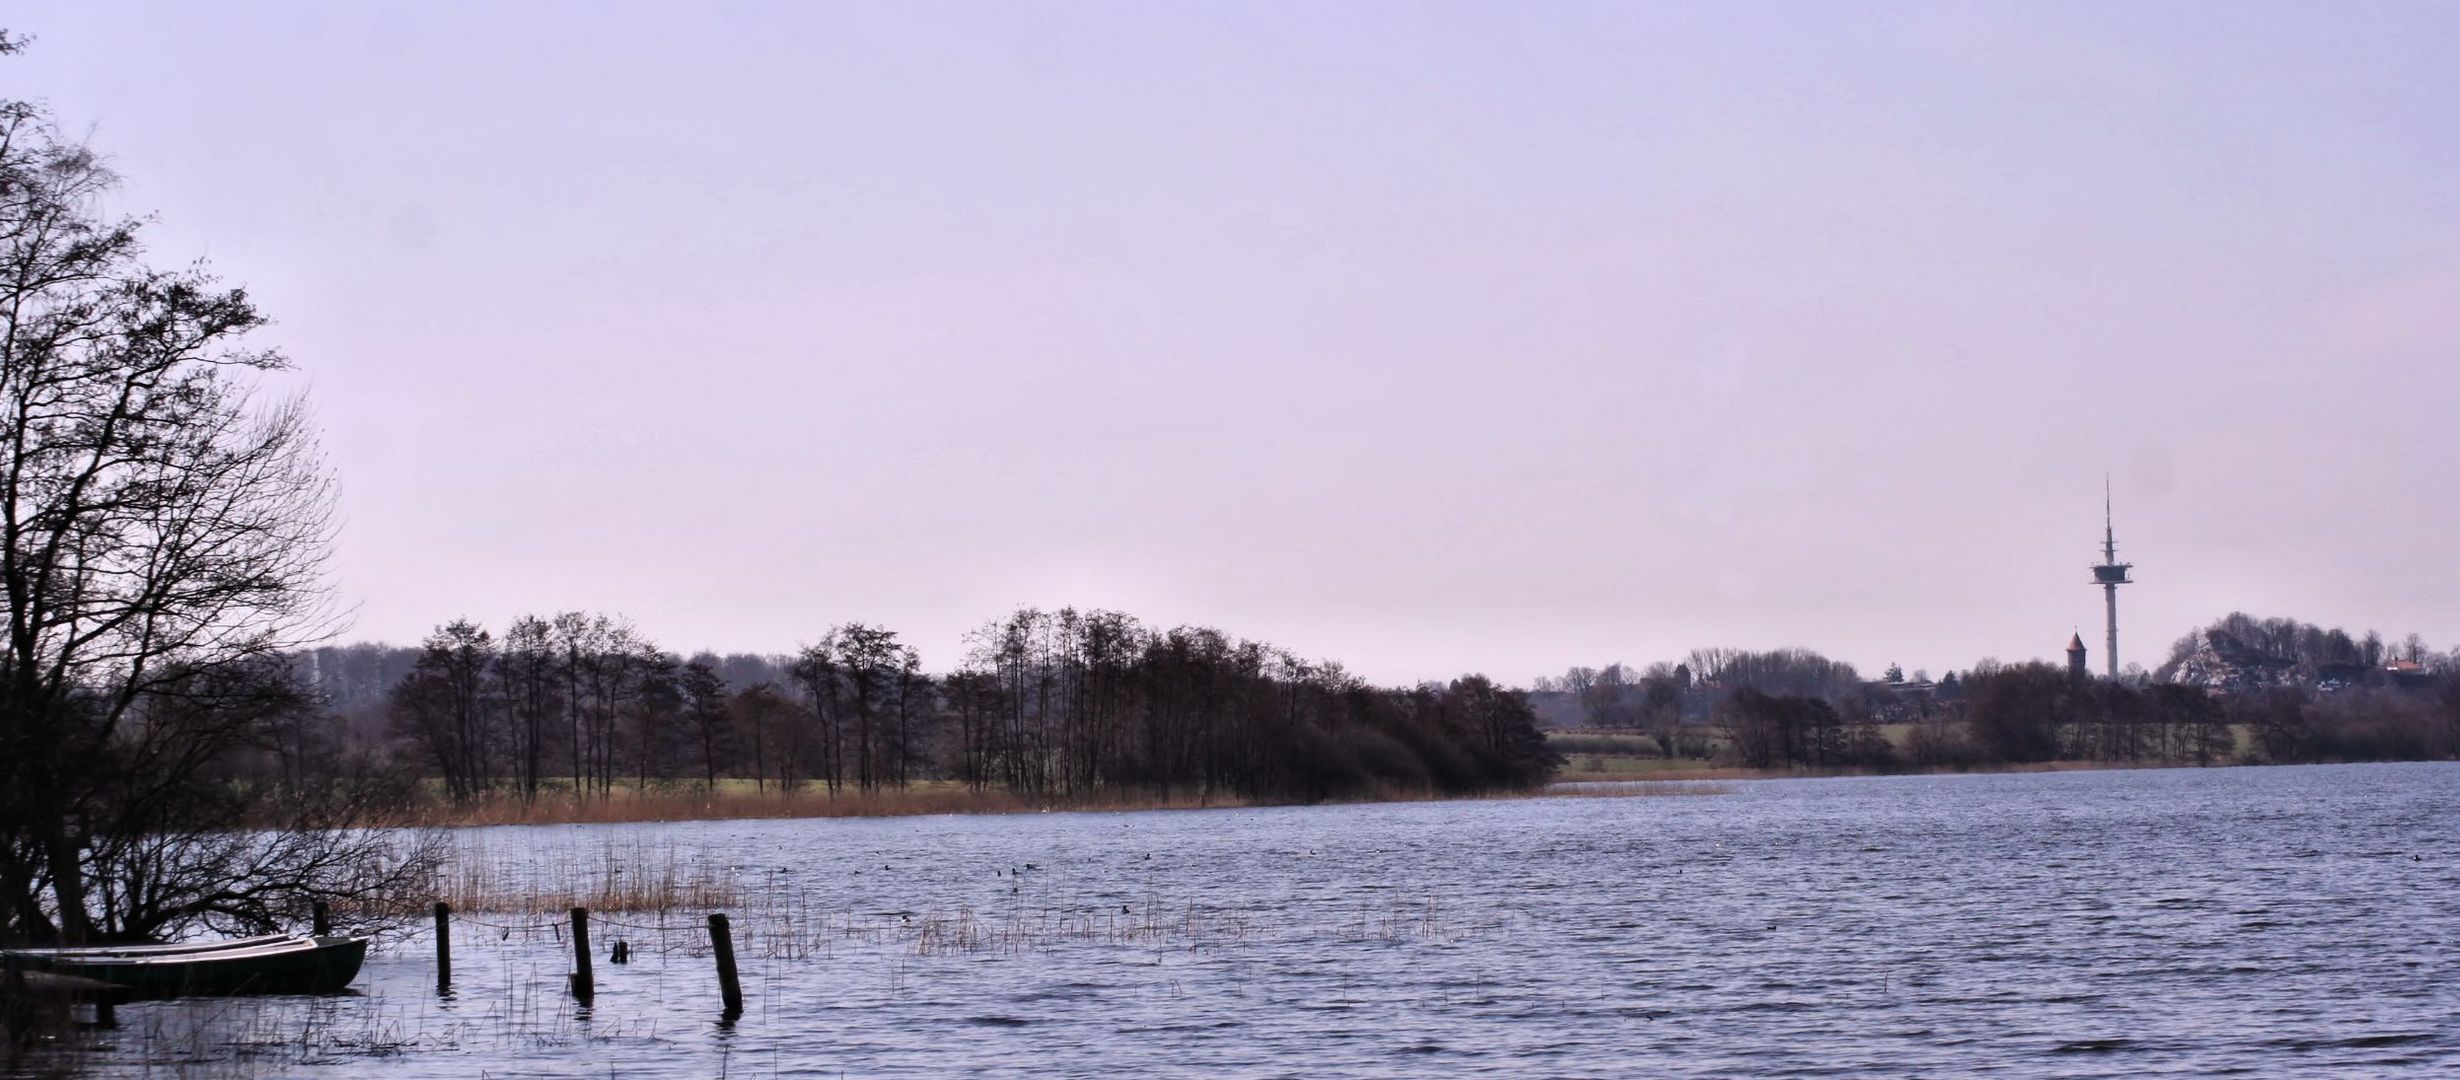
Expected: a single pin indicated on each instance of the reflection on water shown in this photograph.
(2187, 922)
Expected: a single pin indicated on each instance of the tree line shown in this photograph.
(1045, 704)
(1762, 708)
(2242, 689)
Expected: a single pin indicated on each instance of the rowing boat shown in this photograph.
(271, 965)
(179, 948)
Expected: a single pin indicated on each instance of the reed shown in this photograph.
(616, 878)
(1598, 742)
(732, 801)
(633, 806)
(658, 895)
(1042, 926)
(1624, 787)
(1590, 766)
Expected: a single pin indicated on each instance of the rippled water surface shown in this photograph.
(2285, 921)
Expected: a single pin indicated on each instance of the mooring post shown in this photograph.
(444, 947)
(730, 989)
(584, 985)
(16, 1006)
(320, 917)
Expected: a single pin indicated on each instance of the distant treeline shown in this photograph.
(2297, 692)
(1045, 704)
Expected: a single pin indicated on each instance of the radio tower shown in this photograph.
(2110, 575)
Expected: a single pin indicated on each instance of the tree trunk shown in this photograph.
(67, 882)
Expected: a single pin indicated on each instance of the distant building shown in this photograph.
(1909, 689)
(2076, 671)
(2408, 674)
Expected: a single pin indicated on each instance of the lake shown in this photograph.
(2276, 921)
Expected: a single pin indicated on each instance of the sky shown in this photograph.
(1427, 338)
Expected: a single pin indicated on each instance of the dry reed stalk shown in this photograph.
(617, 880)
(1624, 788)
(687, 804)
(788, 928)
(1704, 772)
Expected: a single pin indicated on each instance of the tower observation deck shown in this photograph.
(2110, 574)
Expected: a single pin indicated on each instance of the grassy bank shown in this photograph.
(1661, 770)
(1602, 756)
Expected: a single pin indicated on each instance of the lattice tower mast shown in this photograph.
(2110, 575)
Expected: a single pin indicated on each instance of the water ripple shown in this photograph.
(2178, 922)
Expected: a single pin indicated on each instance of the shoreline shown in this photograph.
(1708, 772)
(1740, 772)
(637, 808)
(662, 807)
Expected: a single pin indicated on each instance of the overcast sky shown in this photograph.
(1427, 338)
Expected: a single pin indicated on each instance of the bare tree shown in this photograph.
(868, 661)
(608, 670)
(446, 706)
(177, 853)
(581, 639)
(706, 711)
(163, 528)
(760, 713)
(529, 683)
(815, 674)
(655, 710)
(1579, 682)
(1603, 702)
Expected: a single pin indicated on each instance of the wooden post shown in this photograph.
(730, 989)
(584, 984)
(320, 917)
(16, 1005)
(444, 947)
